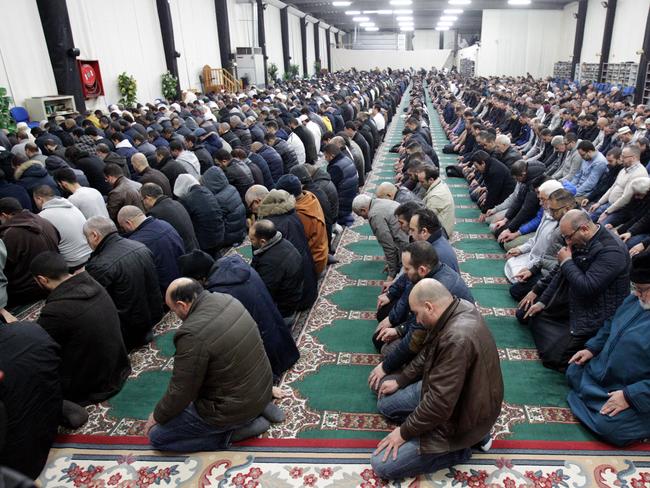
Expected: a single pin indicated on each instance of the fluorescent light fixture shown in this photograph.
(352, 12)
(404, 11)
(441, 28)
(407, 25)
(460, 2)
(452, 11)
(372, 29)
(361, 19)
(518, 2)
(404, 18)
(445, 24)
(367, 24)
(406, 29)
(384, 12)
(401, 2)
(369, 12)
(449, 17)
(341, 4)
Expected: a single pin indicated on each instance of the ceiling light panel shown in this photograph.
(341, 4)
(361, 19)
(401, 2)
(452, 11)
(352, 12)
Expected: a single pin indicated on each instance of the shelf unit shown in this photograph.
(589, 72)
(646, 86)
(42, 108)
(562, 70)
(467, 67)
(623, 74)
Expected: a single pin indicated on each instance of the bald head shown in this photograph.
(96, 228)
(428, 301)
(577, 228)
(386, 190)
(139, 162)
(130, 217)
(254, 196)
(181, 294)
(256, 146)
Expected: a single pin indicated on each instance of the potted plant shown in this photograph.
(6, 121)
(317, 66)
(169, 86)
(273, 71)
(127, 87)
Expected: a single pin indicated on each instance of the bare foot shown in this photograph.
(277, 393)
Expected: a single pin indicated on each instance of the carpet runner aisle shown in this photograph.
(332, 424)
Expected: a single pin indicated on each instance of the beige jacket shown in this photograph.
(439, 199)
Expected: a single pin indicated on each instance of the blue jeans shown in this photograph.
(400, 404)
(411, 462)
(188, 432)
(599, 211)
(637, 239)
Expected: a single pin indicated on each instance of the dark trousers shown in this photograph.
(520, 289)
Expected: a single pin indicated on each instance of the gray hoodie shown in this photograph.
(183, 184)
(69, 222)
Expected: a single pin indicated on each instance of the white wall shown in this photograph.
(568, 32)
(25, 68)
(516, 42)
(629, 28)
(124, 36)
(426, 39)
(242, 21)
(311, 54)
(368, 60)
(322, 41)
(295, 41)
(594, 27)
(273, 33)
(196, 38)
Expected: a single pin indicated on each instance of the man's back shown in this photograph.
(126, 269)
(69, 222)
(89, 201)
(174, 213)
(81, 317)
(220, 365)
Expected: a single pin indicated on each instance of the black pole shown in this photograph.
(643, 64)
(284, 26)
(303, 38)
(607, 37)
(60, 47)
(167, 31)
(329, 49)
(580, 35)
(223, 30)
(317, 45)
(441, 42)
(261, 35)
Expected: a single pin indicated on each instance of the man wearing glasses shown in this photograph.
(584, 290)
(610, 377)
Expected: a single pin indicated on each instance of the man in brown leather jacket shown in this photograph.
(448, 397)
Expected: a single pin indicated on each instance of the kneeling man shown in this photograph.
(448, 397)
(610, 378)
(220, 389)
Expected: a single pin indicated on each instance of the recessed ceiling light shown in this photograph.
(460, 2)
(384, 12)
(352, 12)
(441, 28)
(401, 2)
(449, 17)
(518, 2)
(450, 11)
(361, 19)
(404, 18)
(406, 29)
(372, 29)
(367, 24)
(403, 11)
(341, 4)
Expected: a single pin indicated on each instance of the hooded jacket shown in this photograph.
(233, 276)
(239, 175)
(344, 176)
(322, 179)
(81, 317)
(311, 215)
(307, 138)
(232, 207)
(32, 174)
(171, 169)
(126, 269)
(26, 236)
(54, 163)
(69, 222)
(256, 161)
(204, 210)
(115, 158)
(280, 208)
(219, 365)
(174, 213)
(288, 156)
(123, 193)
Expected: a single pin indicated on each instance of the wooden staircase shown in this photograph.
(218, 79)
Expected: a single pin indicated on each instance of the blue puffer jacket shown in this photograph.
(206, 215)
(261, 163)
(233, 276)
(33, 174)
(232, 208)
(344, 176)
(274, 160)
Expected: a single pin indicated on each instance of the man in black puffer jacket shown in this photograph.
(282, 147)
(242, 132)
(126, 269)
(232, 207)
(205, 212)
(239, 175)
(344, 176)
